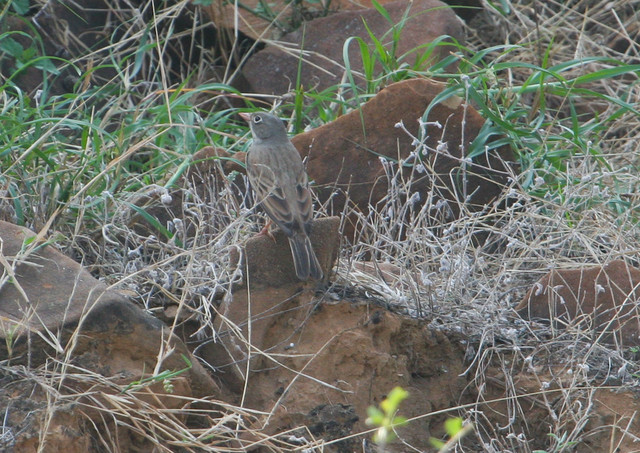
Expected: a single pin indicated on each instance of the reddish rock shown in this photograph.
(319, 365)
(270, 286)
(312, 361)
(267, 262)
(274, 71)
(599, 300)
(54, 311)
(344, 156)
(289, 15)
(584, 410)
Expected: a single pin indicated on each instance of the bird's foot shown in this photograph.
(265, 231)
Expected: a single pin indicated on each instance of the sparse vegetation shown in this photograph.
(456, 430)
(385, 418)
(87, 165)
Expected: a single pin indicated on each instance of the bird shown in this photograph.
(278, 178)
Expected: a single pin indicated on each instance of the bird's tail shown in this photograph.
(304, 258)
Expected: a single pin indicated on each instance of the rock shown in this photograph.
(52, 311)
(343, 157)
(24, 430)
(313, 361)
(274, 71)
(586, 412)
(599, 300)
(268, 261)
(288, 15)
(269, 286)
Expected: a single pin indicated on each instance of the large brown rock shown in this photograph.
(601, 301)
(320, 365)
(344, 156)
(269, 287)
(287, 15)
(321, 41)
(54, 314)
(315, 366)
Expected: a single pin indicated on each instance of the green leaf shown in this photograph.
(12, 47)
(399, 421)
(21, 7)
(375, 416)
(383, 12)
(46, 65)
(397, 396)
(453, 426)
(142, 50)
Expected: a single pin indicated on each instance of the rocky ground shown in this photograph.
(440, 277)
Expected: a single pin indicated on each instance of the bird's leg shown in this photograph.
(265, 231)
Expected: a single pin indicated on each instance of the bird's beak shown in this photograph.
(245, 116)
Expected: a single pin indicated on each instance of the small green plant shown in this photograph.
(456, 430)
(385, 417)
(383, 64)
(165, 377)
(9, 338)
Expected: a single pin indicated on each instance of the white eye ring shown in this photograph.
(257, 119)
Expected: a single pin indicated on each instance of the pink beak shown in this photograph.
(245, 116)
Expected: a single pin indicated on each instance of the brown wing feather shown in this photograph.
(285, 197)
(271, 196)
(303, 201)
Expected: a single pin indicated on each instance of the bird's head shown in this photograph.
(264, 125)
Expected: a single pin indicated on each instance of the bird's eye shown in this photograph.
(257, 119)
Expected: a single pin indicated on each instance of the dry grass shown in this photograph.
(582, 213)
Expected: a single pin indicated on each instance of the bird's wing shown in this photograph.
(303, 200)
(271, 195)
